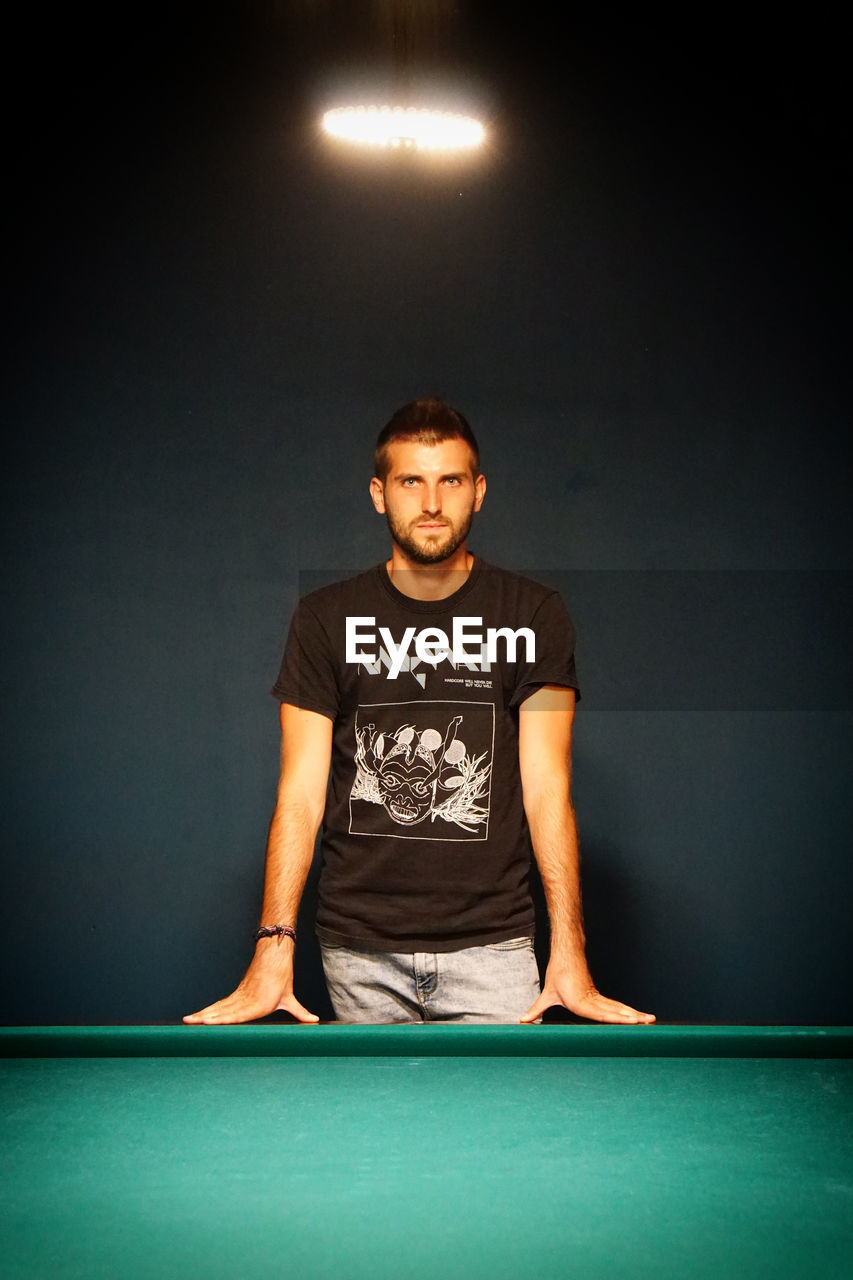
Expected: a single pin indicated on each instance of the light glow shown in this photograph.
(411, 127)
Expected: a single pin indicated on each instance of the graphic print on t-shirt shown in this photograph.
(422, 770)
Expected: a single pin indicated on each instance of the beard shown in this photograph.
(429, 548)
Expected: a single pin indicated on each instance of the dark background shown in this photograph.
(638, 296)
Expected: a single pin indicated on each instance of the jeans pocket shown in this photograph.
(511, 944)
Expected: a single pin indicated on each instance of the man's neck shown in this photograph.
(429, 581)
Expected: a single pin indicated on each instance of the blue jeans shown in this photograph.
(497, 982)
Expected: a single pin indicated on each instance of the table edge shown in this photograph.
(418, 1040)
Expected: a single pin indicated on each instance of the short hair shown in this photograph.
(429, 421)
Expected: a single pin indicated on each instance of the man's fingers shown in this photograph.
(203, 1014)
(601, 1009)
(595, 1007)
(236, 1008)
(226, 1011)
(536, 1009)
(291, 1005)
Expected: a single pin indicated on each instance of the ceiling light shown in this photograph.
(411, 127)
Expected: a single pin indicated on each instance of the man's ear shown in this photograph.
(377, 494)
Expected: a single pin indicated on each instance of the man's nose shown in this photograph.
(431, 500)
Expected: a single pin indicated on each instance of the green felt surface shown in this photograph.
(418, 1167)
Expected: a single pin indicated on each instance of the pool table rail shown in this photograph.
(418, 1040)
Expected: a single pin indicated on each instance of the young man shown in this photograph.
(441, 691)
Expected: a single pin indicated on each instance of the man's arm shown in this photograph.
(545, 747)
(306, 747)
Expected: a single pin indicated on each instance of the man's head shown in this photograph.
(429, 421)
(427, 480)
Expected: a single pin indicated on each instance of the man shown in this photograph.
(441, 691)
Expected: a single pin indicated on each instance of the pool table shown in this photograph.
(427, 1152)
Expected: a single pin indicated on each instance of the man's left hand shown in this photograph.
(583, 999)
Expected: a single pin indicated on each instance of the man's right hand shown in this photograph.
(264, 990)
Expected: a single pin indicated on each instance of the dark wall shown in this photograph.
(638, 299)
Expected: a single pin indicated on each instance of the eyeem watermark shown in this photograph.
(465, 647)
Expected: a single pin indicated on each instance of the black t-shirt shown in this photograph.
(425, 843)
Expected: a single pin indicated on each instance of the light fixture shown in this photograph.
(416, 127)
(420, 110)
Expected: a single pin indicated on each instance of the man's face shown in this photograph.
(429, 497)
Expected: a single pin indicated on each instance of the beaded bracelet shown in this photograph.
(275, 931)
